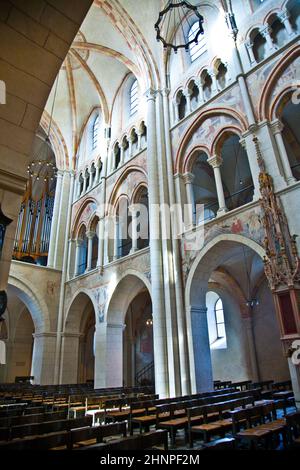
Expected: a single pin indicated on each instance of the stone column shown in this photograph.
(139, 134)
(70, 358)
(247, 143)
(216, 163)
(266, 33)
(116, 238)
(295, 378)
(157, 282)
(134, 226)
(277, 128)
(187, 94)
(214, 82)
(251, 348)
(79, 243)
(188, 179)
(176, 111)
(43, 358)
(84, 184)
(90, 236)
(100, 242)
(97, 173)
(54, 222)
(284, 18)
(122, 158)
(202, 357)
(249, 47)
(91, 180)
(200, 88)
(61, 233)
(71, 270)
(130, 141)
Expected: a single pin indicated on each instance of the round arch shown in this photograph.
(121, 294)
(210, 258)
(75, 309)
(33, 301)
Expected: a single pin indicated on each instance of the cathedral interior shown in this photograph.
(149, 249)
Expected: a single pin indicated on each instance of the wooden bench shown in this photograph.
(88, 435)
(45, 442)
(32, 418)
(49, 427)
(132, 443)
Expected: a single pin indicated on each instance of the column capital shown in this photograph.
(215, 161)
(90, 234)
(283, 15)
(79, 242)
(276, 126)
(266, 31)
(151, 94)
(188, 178)
(249, 44)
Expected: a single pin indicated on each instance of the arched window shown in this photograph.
(134, 98)
(219, 319)
(196, 49)
(95, 132)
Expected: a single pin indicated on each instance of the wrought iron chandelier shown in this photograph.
(173, 15)
(42, 168)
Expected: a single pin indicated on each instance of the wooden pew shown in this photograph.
(132, 443)
(88, 435)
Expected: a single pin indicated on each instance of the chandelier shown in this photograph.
(173, 15)
(42, 168)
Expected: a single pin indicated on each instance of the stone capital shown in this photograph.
(266, 31)
(79, 242)
(90, 234)
(215, 161)
(276, 127)
(199, 310)
(188, 178)
(151, 94)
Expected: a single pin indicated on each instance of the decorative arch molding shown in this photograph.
(128, 170)
(221, 137)
(34, 302)
(206, 253)
(77, 219)
(196, 124)
(281, 99)
(118, 300)
(136, 191)
(57, 141)
(291, 55)
(272, 12)
(191, 157)
(73, 319)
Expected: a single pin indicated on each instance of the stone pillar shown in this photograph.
(176, 110)
(214, 82)
(247, 143)
(84, 184)
(139, 134)
(202, 357)
(200, 88)
(157, 282)
(134, 227)
(130, 141)
(54, 222)
(187, 94)
(248, 323)
(266, 33)
(295, 378)
(249, 47)
(284, 18)
(79, 243)
(70, 358)
(61, 233)
(43, 358)
(100, 242)
(90, 236)
(108, 351)
(188, 181)
(97, 177)
(71, 269)
(91, 179)
(216, 163)
(122, 158)
(116, 238)
(277, 128)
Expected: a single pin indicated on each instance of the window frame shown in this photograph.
(216, 318)
(95, 132)
(195, 49)
(133, 98)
